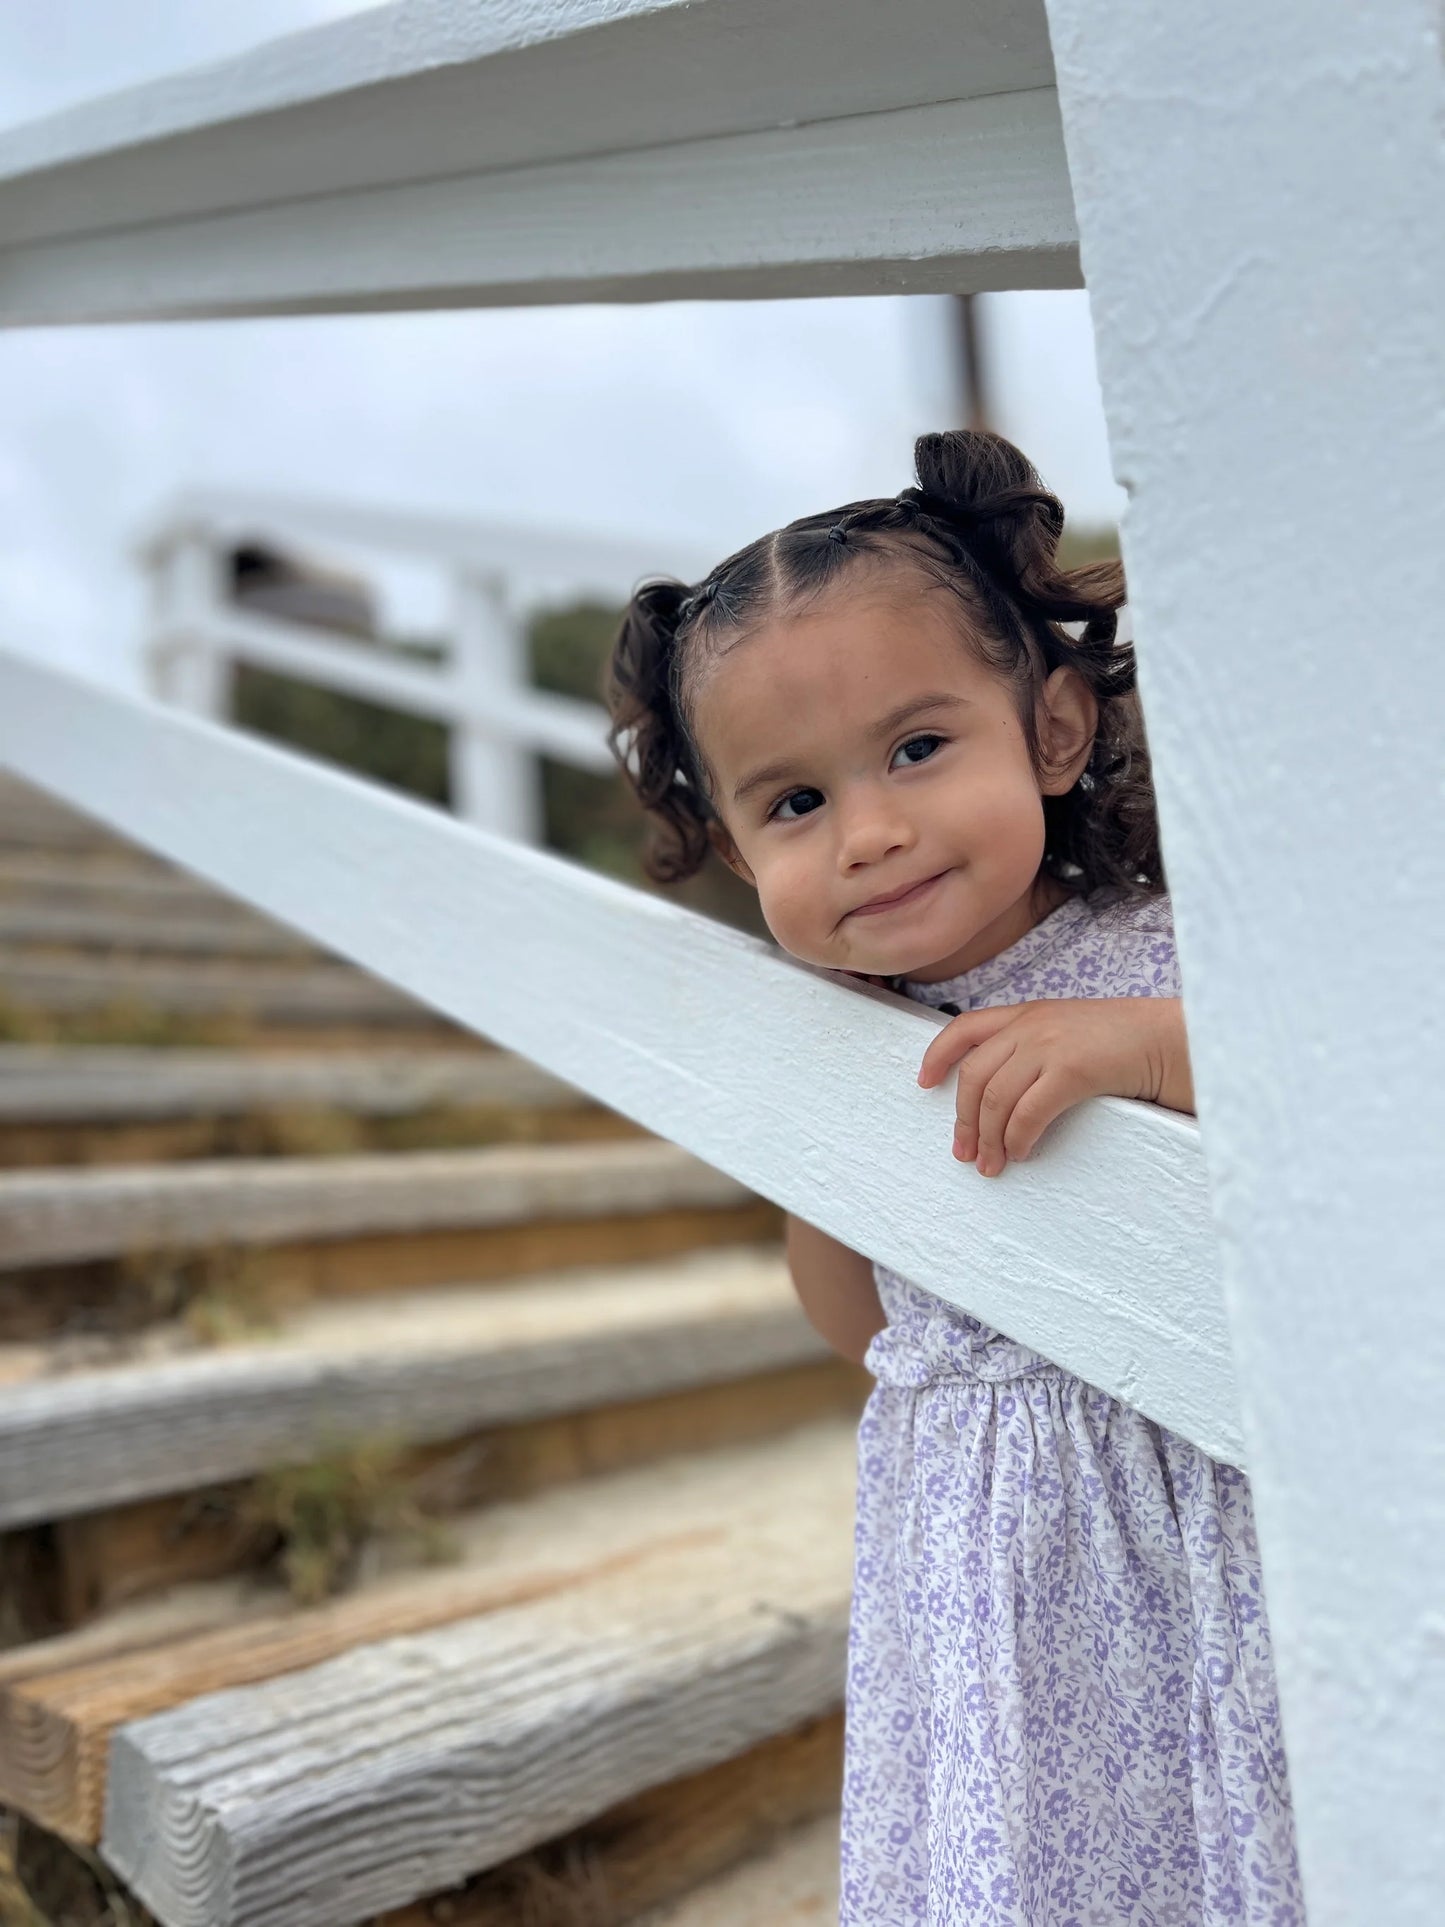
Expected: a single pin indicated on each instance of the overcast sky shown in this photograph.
(714, 421)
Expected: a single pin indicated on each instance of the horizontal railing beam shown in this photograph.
(956, 194)
(548, 561)
(560, 726)
(431, 90)
(1099, 1251)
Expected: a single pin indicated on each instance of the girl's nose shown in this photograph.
(871, 831)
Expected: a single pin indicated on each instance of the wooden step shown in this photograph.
(110, 879)
(83, 927)
(772, 1809)
(793, 1883)
(32, 820)
(61, 1699)
(300, 993)
(50, 1216)
(122, 1105)
(42, 1083)
(420, 1367)
(403, 1766)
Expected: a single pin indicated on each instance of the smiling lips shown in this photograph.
(897, 901)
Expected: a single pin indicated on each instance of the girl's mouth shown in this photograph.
(877, 906)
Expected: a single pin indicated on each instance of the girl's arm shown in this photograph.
(835, 1288)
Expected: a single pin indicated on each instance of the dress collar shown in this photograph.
(971, 986)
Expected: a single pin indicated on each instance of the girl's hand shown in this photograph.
(1023, 1065)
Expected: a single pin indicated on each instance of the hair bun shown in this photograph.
(989, 486)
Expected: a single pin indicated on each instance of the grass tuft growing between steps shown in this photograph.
(122, 1022)
(323, 1517)
(221, 1293)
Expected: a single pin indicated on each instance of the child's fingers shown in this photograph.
(977, 1072)
(959, 1037)
(1047, 1098)
(1001, 1097)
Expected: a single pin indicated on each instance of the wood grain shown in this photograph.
(403, 1766)
(301, 993)
(48, 1217)
(659, 1845)
(61, 1699)
(73, 1083)
(424, 1366)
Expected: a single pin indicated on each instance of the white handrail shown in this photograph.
(1099, 1252)
(498, 723)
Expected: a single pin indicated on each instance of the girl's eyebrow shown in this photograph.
(916, 706)
(885, 726)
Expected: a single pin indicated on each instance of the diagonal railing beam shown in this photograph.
(1099, 1252)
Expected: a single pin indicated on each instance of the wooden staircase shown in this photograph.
(421, 1499)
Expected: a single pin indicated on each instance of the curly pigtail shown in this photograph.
(648, 735)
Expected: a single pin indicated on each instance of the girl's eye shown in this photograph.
(917, 749)
(798, 803)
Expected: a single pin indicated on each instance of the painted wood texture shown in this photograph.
(61, 1699)
(1259, 198)
(556, 152)
(48, 1216)
(1099, 1252)
(425, 1366)
(861, 206)
(54, 1083)
(402, 1766)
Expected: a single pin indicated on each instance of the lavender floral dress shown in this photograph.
(1061, 1702)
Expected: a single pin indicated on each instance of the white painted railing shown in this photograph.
(797, 1084)
(498, 724)
(1255, 196)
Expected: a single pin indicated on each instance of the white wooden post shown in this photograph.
(1259, 195)
(495, 784)
(184, 663)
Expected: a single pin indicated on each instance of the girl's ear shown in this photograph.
(1068, 721)
(728, 851)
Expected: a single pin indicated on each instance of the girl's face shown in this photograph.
(875, 785)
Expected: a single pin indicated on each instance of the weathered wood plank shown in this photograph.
(1099, 1252)
(53, 1083)
(429, 1366)
(50, 1216)
(106, 1561)
(62, 1699)
(312, 993)
(121, 879)
(649, 1850)
(401, 1767)
(117, 1299)
(87, 927)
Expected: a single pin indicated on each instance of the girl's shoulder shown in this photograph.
(1130, 940)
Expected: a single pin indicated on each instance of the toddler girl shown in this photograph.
(917, 737)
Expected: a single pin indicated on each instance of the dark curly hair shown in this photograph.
(979, 524)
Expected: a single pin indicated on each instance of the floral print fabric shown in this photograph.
(1061, 1700)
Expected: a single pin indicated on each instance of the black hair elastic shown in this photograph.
(837, 533)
